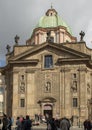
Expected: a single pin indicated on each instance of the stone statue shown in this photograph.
(16, 39)
(22, 87)
(49, 37)
(74, 86)
(48, 87)
(8, 48)
(82, 34)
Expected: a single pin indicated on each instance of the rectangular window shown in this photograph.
(74, 102)
(48, 61)
(22, 102)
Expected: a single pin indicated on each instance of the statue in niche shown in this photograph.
(49, 37)
(74, 86)
(88, 88)
(48, 87)
(22, 87)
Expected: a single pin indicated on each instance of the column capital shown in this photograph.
(82, 69)
(65, 70)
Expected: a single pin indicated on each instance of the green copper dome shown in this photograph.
(52, 19)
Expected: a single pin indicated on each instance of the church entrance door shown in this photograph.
(48, 110)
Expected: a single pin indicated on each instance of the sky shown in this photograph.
(19, 17)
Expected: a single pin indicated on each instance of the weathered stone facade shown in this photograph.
(63, 89)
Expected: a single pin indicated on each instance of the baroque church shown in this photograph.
(51, 74)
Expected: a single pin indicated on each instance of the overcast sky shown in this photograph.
(21, 16)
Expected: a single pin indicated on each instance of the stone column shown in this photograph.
(30, 92)
(15, 96)
(61, 37)
(65, 92)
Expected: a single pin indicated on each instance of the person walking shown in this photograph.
(51, 124)
(5, 122)
(9, 123)
(64, 124)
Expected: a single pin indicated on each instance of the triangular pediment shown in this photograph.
(60, 50)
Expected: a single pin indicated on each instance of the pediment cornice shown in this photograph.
(49, 46)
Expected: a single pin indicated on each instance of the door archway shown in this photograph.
(46, 106)
(48, 110)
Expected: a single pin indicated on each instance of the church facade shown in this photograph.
(51, 74)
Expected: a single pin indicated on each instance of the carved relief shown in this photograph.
(22, 87)
(22, 84)
(74, 86)
(48, 87)
(88, 88)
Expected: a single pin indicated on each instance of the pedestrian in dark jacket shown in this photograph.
(27, 123)
(57, 123)
(87, 124)
(5, 122)
(19, 124)
(9, 123)
(64, 124)
(51, 124)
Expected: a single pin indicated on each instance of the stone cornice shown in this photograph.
(60, 60)
(50, 46)
(32, 61)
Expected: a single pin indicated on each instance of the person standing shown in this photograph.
(9, 124)
(91, 124)
(85, 123)
(5, 122)
(64, 124)
(27, 123)
(18, 124)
